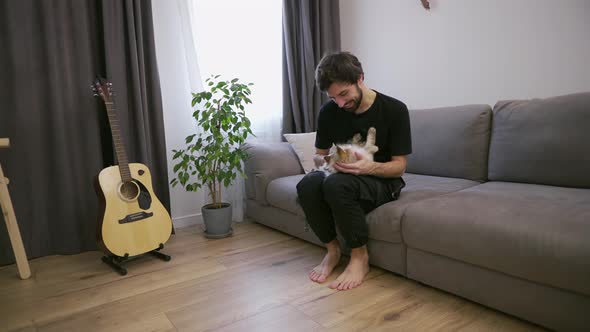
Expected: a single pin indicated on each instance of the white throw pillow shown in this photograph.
(304, 146)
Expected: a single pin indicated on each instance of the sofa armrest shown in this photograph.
(266, 162)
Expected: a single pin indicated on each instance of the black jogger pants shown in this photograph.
(342, 200)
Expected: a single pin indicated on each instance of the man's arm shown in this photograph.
(391, 169)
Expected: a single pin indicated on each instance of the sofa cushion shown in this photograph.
(536, 232)
(282, 193)
(451, 141)
(543, 141)
(304, 146)
(384, 222)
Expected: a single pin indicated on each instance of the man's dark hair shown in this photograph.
(340, 67)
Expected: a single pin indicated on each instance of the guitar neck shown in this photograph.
(118, 142)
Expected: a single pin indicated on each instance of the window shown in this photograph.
(243, 39)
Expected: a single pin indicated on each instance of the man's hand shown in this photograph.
(361, 167)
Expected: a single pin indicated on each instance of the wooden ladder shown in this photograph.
(13, 232)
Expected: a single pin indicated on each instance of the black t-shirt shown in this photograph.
(387, 115)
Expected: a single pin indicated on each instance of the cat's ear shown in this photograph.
(342, 153)
(327, 158)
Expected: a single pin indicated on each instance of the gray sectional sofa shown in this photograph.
(496, 208)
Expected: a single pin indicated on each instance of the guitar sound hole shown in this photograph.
(129, 190)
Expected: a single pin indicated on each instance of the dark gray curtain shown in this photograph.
(311, 29)
(131, 65)
(52, 50)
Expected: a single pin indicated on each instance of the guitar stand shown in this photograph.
(116, 262)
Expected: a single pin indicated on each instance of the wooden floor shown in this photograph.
(253, 281)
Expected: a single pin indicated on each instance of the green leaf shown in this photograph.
(190, 138)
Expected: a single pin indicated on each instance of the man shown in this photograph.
(343, 199)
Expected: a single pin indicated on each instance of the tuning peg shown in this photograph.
(95, 95)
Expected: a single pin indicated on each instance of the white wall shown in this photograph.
(469, 51)
(176, 98)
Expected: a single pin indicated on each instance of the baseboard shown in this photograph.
(185, 221)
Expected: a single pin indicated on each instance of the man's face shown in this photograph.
(347, 96)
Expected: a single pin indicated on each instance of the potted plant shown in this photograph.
(214, 156)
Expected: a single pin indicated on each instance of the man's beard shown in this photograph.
(356, 102)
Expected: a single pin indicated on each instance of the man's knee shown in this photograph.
(311, 183)
(339, 184)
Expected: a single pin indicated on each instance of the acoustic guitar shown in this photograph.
(133, 220)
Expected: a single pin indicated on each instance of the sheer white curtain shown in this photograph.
(233, 39)
(185, 8)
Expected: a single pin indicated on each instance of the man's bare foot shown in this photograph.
(355, 271)
(321, 272)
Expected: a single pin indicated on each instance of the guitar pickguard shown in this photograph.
(145, 199)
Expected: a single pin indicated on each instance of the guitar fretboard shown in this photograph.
(118, 142)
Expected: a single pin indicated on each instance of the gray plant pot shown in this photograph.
(217, 220)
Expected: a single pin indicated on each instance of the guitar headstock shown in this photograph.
(103, 88)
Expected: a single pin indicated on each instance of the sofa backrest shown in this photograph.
(451, 141)
(543, 141)
(266, 162)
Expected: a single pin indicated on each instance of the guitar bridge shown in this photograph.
(135, 217)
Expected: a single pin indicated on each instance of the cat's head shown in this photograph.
(339, 154)
(344, 154)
